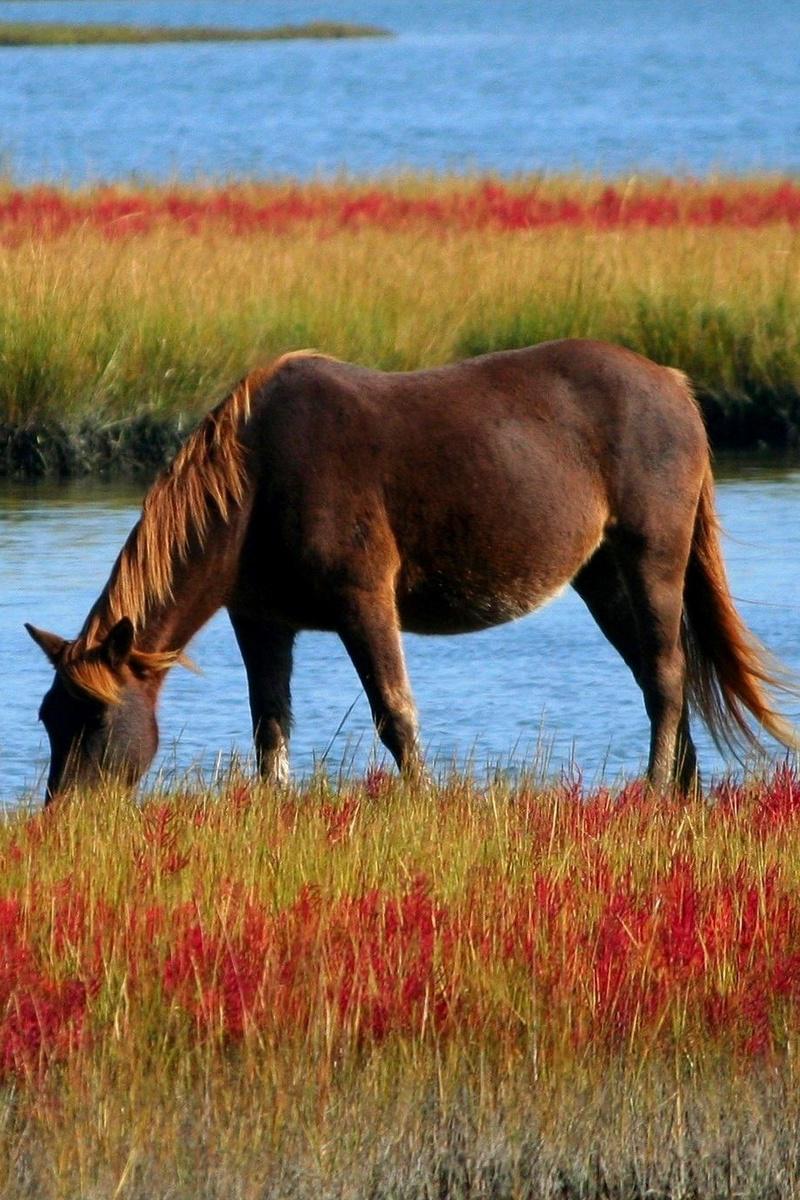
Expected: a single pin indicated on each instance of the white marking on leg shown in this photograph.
(278, 769)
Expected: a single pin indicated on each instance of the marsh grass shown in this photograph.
(102, 330)
(378, 991)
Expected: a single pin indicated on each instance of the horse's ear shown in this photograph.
(119, 643)
(51, 643)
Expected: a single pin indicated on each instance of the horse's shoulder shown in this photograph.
(319, 377)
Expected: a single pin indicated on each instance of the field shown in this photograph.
(124, 312)
(368, 991)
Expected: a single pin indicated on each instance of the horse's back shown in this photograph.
(482, 487)
(573, 414)
(570, 389)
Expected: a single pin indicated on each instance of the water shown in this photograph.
(549, 680)
(500, 85)
(504, 85)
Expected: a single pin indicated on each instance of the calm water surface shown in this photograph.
(549, 681)
(506, 85)
(490, 84)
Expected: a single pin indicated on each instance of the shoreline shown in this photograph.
(142, 444)
(28, 34)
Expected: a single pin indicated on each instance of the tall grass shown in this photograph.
(99, 330)
(379, 991)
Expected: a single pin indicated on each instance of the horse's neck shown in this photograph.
(197, 593)
(179, 562)
(167, 617)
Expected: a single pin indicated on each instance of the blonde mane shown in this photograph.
(206, 479)
(86, 670)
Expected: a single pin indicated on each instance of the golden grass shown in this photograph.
(164, 322)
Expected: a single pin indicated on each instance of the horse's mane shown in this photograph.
(207, 478)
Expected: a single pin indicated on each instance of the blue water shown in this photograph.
(503, 85)
(548, 686)
(493, 85)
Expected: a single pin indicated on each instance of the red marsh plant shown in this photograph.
(612, 924)
(458, 205)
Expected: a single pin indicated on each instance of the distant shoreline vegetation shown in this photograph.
(56, 33)
(125, 311)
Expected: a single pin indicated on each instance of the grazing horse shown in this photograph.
(321, 495)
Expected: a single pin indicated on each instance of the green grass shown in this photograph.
(743, 361)
(56, 33)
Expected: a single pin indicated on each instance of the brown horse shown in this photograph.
(321, 495)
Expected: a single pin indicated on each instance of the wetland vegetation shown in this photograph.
(456, 990)
(509, 991)
(125, 311)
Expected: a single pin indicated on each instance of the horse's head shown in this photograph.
(100, 711)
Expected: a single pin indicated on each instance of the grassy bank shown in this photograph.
(57, 33)
(377, 992)
(124, 315)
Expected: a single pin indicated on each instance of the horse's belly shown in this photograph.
(442, 606)
(508, 536)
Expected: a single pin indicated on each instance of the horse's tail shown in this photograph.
(729, 672)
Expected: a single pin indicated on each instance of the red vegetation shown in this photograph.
(50, 212)
(367, 960)
(42, 1018)
(597, 939)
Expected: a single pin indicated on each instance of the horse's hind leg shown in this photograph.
(266, 649)
(369, 629)
(653, 569)
(686, 773)
(602, 585)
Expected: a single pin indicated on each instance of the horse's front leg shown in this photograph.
(371, 634)
(266, 649)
